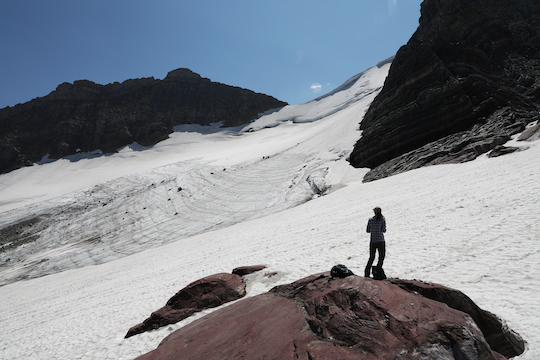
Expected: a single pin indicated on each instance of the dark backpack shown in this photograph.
(378, 273)
(340, 271)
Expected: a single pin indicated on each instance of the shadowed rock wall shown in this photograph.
(467, 80)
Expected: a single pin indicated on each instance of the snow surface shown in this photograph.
(124, 232)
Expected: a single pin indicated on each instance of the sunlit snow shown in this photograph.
(124, 232)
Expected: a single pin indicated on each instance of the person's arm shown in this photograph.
(383, 227)
(368, 226)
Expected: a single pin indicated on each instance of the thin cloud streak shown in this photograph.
(392, 7)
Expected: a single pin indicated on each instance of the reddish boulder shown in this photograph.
(246, 270)
(320, 318)
(208, 292)
(500, 338)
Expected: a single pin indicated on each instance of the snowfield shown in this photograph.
(119, 234)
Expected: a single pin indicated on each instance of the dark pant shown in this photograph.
(373, 247)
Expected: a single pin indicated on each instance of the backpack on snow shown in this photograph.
(340, 271)
(378, 273)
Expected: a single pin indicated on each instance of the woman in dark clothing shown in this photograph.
(377, 227)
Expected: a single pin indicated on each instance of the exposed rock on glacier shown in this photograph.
(350, 318)
(205, 293)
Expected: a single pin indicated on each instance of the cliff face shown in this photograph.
(467, 80)
(88, 116)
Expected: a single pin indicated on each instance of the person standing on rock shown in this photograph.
(377, 227)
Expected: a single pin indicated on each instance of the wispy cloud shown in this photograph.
(392, 6)
(299, 56)
(316, 87)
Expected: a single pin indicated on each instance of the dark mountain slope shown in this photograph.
(89, 116)
(467, 80)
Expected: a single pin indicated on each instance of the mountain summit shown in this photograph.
(85, 116)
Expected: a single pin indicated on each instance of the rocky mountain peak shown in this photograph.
(85, 116)
(182, 74)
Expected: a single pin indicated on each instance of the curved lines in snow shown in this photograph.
(142, 211)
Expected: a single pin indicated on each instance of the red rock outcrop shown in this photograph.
(349, 318)
(246, 270)
(498, 336)
(205, 293)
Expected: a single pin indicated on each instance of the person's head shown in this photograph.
(378, 212)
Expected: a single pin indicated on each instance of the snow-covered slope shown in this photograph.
(472, 226)
(98, 209)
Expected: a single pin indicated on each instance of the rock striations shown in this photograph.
(351, 318)
(467, 80)
(85, 116)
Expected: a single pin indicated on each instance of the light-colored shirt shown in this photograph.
(377, 228)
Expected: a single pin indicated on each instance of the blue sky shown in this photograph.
(294, 50)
